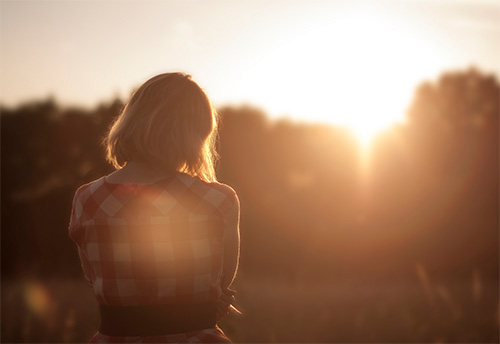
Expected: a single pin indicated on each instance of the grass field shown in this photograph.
(282, 311)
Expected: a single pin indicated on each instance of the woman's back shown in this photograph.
(153, 243)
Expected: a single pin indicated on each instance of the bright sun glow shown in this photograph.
(357, 71)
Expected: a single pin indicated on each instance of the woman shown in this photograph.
(158, 239)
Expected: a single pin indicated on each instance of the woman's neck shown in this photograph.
(138, 172)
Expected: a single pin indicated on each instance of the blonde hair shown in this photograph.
(169, 123)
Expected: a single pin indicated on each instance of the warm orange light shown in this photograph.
(357, 71)
(37, 299)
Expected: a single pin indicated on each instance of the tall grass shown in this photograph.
(277, 310)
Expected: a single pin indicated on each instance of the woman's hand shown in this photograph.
(224, 303)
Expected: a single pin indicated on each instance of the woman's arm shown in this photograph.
(231, 252)
(231, 246)
(87, 269)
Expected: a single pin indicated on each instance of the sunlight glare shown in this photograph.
(356, 71)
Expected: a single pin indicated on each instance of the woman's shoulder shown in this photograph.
(223, 196)
(82, 198)
(87, 189)
(217, 193)
(223, 188)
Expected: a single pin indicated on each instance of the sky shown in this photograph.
(318, 61)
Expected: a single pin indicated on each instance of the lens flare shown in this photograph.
(38, 299)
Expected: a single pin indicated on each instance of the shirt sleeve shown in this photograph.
(230, 200)
(76, 214)
(86, 267)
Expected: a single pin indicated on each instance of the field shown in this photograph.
(281, 311)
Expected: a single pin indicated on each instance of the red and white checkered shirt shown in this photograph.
(156, 243)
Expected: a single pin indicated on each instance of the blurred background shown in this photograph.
(361, 136)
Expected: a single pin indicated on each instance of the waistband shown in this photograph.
(156, 320)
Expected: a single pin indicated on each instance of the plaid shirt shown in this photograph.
(156, 243)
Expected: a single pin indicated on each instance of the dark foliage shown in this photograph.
(432, 195)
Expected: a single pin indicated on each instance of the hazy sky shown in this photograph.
(307, 59)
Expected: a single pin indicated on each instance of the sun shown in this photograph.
(357, 71)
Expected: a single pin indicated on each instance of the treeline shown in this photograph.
(311, 207)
